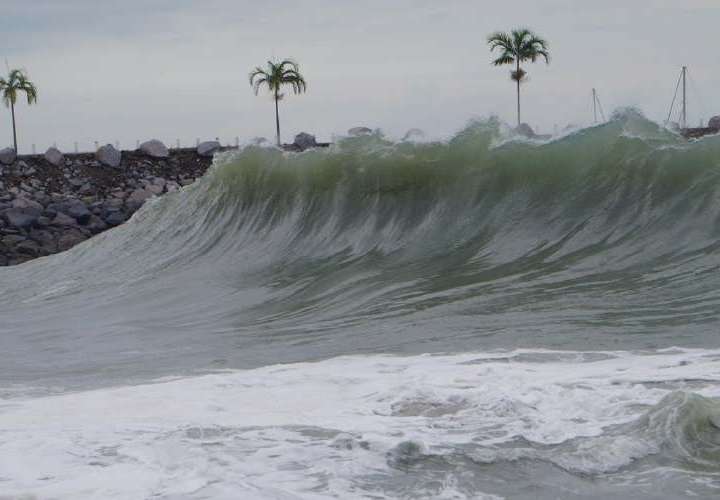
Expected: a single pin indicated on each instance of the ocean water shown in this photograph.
(481, 317)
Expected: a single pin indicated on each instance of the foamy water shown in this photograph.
(346, 427)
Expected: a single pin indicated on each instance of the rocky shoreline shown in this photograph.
(51, 202)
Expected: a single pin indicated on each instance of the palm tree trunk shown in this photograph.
(12, 111)
(518, 91)
(277, 119)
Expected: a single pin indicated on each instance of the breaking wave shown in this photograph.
(384, 319)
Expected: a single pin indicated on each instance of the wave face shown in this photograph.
(606, 239)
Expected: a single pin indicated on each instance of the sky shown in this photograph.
(112, 71)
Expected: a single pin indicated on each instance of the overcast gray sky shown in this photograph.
(170, 69)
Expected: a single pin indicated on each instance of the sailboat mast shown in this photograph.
(595, 105)
(684, 100)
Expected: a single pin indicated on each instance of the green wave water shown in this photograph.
(526, 319)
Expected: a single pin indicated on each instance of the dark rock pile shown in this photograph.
(51, 202)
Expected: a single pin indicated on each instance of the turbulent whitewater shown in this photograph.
(483, 317)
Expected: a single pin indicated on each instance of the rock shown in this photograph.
(305, 141)
(25, 170)
(69, 239)
(21, 217)
(208, 148)
(12, 240)
(28, 247)
(43, 221)
(137, 198)
(7, 156)
(714, 122)
(96, 224)
(63, 220)
(22, 202)
(54, 157)
(115, 218)
(358, 131)
(112, 205)
(154, 149)
(525, 130)
(45, 239)
(414, 134)
(74, 208)
(155, 189)
(108, 155)
(155, 185)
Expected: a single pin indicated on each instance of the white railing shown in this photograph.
(80, 147)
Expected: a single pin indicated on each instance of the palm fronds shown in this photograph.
(275, 76)
(17, 82)
(518, 46)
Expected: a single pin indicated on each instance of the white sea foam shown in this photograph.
(322, 430)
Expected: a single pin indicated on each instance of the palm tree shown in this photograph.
(517, 47)
(17, 82)
(276, 75)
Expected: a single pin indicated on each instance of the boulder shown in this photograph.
(54, 157)
(70, 238)
(358, 131)
(7, 156)
(414, 134)
(28, 247)
(115, 218)
(112, 205)
(525, 130)
(45, 239)
(21, 217)
(24, 169)
(22, 202)
(305, 141)
(154, 149)
(137, 198)
(714, 122)
(96, 224)
(109, 156)
(155, 185)
(63, 220)
(12, 240)
(208, 148)
(73, 208)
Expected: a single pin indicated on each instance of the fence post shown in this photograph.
(178, 144)
(197, 142)
(97, 146)
(237, 142)
(33, 149)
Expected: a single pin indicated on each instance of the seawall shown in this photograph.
(47, 208)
